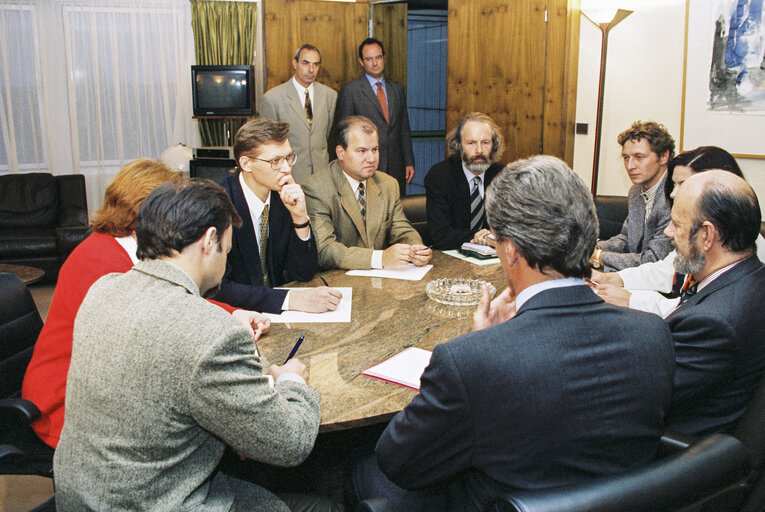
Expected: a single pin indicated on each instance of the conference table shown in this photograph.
(388, 315)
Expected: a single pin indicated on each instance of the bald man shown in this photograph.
(717, 329)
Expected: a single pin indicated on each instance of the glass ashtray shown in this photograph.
(457, 291)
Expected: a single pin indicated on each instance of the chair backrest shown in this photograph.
(414, 209)
(750, 430)
(20, 324)
(611, 211)
(697, 475)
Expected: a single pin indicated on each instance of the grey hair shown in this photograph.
(545, 210)
(454, 137)
(307, 47)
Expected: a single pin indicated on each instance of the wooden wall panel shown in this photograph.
(562, 68)
(335, 28)
(390, 27)
(496, 65)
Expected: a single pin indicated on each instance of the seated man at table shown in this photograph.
(274, 244)
(718, 332)
(161, 381)
(355, 209)
(455, 187)
(552, 387)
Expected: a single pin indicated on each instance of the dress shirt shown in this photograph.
(649, 194)
(532, 290)
(373, 83)
(301, 91)
(376, 262)
(130, 245)
(469, 177)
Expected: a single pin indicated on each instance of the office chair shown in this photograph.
(21, 451)
(691, 479)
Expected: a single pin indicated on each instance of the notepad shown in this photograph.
(404, 369)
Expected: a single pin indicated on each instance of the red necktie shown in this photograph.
(383, 101)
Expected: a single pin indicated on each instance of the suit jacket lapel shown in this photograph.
(746, 266)
(371, 94)
(296, 104)
(375, 209)
(392, 101)
(638, 207)
(458, 177)
(245, 235)
(349, 202)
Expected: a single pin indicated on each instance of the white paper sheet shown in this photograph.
(405, 368)
(409, 272)
(475, 261)
(341, 314)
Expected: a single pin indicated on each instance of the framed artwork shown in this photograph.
(724, 78)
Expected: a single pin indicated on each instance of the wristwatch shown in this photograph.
(596, 263)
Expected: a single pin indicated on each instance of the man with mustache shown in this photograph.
(455, 187)
(308, 107)
(717, 331)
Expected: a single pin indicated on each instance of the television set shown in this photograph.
(222, 91)
(216, 169)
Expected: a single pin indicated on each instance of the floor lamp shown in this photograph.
(605, 20)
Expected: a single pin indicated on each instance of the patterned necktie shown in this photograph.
(308, 108)
(263, 244)
(688, 290)
(476, 205)
(362, 201)
(383, 101)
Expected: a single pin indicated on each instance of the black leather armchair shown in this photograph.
(42, 219)
(21, 451)
(611, 211)
(414, 209)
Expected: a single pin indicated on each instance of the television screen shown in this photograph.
(222, 90)
(216, 169)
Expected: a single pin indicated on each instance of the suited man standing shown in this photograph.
(275, 243)
(717, 328)
(355, 209)
(534, 397)
(308, 107)
(455, 188)
(382, 101)
(647, 148)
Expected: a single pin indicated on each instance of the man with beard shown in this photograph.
(455, 187)
(161, 381)
(719, 336)
(355, 209)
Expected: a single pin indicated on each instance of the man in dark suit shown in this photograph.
(717, 328)
(552, 387)
(455, 187)
(282, 247)
(384, 102)
(647, 147)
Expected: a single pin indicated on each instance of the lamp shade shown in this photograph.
(177, 158)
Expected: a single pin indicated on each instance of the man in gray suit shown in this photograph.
(552, 387)
(308, 107)
(382, 101)
(647, 147)
(161, 381)
(355, 210)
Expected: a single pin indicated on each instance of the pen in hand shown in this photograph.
(294, 349)
(324, 281)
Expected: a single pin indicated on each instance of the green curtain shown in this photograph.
(224, 34)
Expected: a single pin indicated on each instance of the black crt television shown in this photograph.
(221, 91)
(215, 169)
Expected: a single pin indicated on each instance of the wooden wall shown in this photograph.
(505, 60)
(336, 29)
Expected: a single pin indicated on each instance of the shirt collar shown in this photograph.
(534, 289)
(301, 90)
(470, 175)
(130, 245)
(714, 275)
(373, 81)
(254, 204)
(649, 194)
(353, 182)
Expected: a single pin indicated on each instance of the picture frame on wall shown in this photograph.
(724, 76)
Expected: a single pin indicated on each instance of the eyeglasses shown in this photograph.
(276, 162)
(374, 58)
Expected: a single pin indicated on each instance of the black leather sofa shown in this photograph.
(42, 218)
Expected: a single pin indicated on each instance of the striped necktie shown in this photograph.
(362, 198)
(476, 205)
(263, 244)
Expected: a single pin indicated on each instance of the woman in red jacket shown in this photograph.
(110, 248)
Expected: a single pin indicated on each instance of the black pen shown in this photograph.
(324, 281)
(295, 348)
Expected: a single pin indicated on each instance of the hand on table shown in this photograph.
(397, 255)
(294, 365)
(315, 300)
(493, 312)
(421, 255)
(482, 237)
(253, 321)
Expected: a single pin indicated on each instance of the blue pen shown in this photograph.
(295, 348)
(324, 281)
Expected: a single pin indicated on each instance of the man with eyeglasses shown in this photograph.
(308, 107)
(275, 243)
(382, 101)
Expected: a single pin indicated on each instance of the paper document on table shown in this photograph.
(341, 314)
(474, 261)
(404, 369)
(408, 272)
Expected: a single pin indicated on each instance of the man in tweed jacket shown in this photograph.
(161, 380)
(646, 150)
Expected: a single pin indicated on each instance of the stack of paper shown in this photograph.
(404, 369)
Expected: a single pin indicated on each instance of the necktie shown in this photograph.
(362, 201)
(308, 108)
(476, 205)
(383, 102)
(263, 244)
(688, 290)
